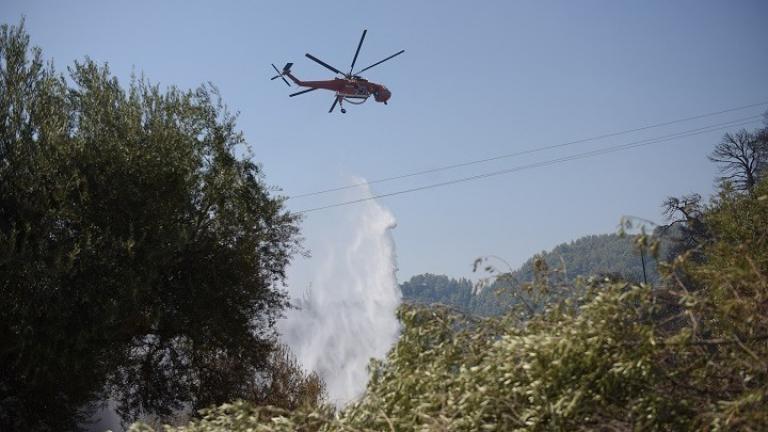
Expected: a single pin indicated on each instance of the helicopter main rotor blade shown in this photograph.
(335, 101)
(357, 52)
(311, 57)
(303, 91)
(279, 75)
(380, 62)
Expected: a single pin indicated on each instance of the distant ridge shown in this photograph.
(592, 255)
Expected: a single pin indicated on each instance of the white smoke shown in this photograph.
(347, 300)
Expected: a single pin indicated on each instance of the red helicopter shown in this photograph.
(352, 88)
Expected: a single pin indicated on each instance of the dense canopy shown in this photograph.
(140, 257)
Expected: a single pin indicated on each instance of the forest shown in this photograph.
(605, 255)
(114, 196)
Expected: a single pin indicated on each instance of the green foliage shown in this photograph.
(429, 288)
(288, 386)
(595, 255)
(611, 356)
(240, 416)
(140, 259)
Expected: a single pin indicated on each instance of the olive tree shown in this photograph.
(141, 259)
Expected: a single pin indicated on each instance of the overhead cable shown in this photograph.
(529, 151)
(611, 149)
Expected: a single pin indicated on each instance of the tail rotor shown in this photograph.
(286, 69)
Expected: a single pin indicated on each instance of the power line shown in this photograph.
(684, 134)
(529, 151)
(605, 150)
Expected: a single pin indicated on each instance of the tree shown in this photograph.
(288, 386)
(140, 258)
(429, 288)
(504, 287)
(742, 157)
(686, 230)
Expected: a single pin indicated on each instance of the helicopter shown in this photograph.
(351, 88)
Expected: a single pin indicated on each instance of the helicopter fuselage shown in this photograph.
(348, 88)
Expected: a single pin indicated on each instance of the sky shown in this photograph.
(477, 80)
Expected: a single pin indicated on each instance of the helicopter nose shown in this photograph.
(383, 95)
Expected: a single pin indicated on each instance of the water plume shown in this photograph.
(346, 297)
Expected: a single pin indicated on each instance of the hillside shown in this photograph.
(593, 255)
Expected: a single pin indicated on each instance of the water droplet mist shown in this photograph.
(347, 295)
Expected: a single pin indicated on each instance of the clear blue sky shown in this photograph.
(478, 79)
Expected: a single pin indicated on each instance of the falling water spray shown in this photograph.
(347, 300)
